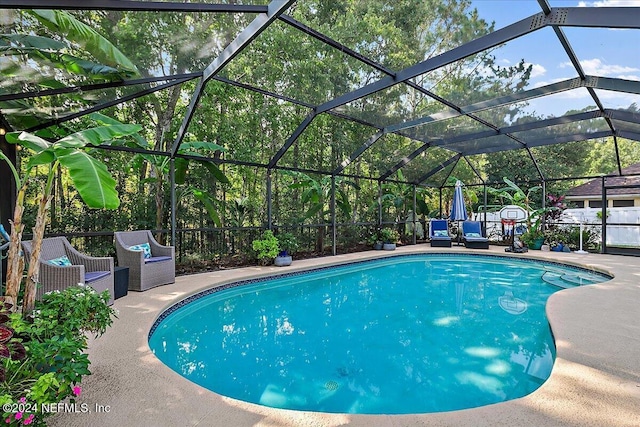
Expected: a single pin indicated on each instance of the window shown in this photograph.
(622, 203)
(595, 203)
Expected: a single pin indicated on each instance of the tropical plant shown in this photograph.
(74, 49)
(399, 195)
(197, 153)
(515, 195)
(555, 206)
(90, 177)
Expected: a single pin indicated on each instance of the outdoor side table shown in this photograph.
(120, 281)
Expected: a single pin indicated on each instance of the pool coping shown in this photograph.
(595, 381)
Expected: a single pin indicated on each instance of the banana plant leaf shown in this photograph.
(79, 66)
(28, 140)
(188, 148)
(208, 203)
(98, 135)
(91, 178)
(182, 165)
(313, 210)
(62, 22)
(106, 120)
(216, 172)
(11, 42)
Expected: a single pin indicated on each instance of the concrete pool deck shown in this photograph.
(595, 380)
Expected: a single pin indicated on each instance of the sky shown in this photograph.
(601, 52)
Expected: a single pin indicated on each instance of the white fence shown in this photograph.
(617, 235)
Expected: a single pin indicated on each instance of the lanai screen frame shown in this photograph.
(555, 18)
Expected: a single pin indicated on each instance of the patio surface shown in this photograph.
(595, 380)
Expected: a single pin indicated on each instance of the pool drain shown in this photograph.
(331, 385)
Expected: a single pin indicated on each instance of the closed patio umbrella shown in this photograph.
(458, 208)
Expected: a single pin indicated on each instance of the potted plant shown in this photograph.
(533, 238)
(288, 244)
(375, 240)
(267, 248)
(389, 238)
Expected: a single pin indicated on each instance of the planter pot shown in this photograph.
(389, 246)
(558, 248)
(282, 261)
(377, 246)
(537, 244)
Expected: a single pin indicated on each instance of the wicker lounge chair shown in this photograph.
(96, 272)
(439, 233)
(157, 268)
(472, 235)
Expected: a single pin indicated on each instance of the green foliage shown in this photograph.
(90, 176)
(55, 337)
(10, 347)
(374, 238)
(267, 247)
(570, 236)
(389, 235)
(531, 235)
(287, 242)
(316, 194)
(62, 22)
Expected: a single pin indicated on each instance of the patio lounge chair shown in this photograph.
(62, 266)
(150, 263)
(439, 233)
(472, 235)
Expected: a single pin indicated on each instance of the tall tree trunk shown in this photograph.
(15, 262)
(159, 198)
(28, 301)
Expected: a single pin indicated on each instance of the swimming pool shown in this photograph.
(406, 334)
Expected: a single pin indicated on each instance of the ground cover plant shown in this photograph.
(42, 356)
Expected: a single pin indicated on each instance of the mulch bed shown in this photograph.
(242, 260)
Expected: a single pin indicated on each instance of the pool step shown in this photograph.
(564, 281)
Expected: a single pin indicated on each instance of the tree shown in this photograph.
(90, 177)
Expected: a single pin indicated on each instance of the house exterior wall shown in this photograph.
(584, 200)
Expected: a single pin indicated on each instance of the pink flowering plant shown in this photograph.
(54, 337)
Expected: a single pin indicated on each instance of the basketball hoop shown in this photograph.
(509, 216)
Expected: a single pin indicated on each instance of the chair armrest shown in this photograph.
(130, 257)
(91, 263)
(54, 277)
(160, 250)
(98, 264)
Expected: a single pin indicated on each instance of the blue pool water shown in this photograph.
(407, 334)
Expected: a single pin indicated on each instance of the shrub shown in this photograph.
(389, 235)
(55, 338)
(266, 248)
